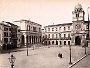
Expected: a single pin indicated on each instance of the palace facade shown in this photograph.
(9, 35)
(75, 33)
(30, 32)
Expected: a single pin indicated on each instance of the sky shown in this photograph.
(44, 12)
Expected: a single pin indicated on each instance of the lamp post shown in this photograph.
(85, 48)
(72, 41)
(88, 28)
(12, 60)
(70, 54)
(27, 49)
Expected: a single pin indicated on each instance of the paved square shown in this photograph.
(42, 57)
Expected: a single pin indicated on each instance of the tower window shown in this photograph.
(77, 15)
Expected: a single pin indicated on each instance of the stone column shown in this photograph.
(36, 39)
(28, 40)
(25, 40)
(31, 39)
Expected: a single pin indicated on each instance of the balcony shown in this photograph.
(65, 38)
(62, 38)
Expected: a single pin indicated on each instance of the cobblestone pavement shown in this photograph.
(42, 57)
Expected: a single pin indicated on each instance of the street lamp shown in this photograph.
(12, 60)
(27, 49)
(72, 40)
(88, 27)
(70, 54)
(85, 46)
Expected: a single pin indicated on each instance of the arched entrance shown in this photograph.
(52, 42)
(30, 39)
(49, 42)
(27, 39)
(56, 42)
(77, 40)
(22, 40)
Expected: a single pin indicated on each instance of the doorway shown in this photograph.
(77, 40)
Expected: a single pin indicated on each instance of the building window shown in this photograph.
(48, 35)
(18, 30)
(27, 27)
(39, 29)
(19, 40)
(68, 42)
(52, 29)
(77, 15)
(48, 29)
(5, 40)
(69, 35)
(9, 34)
(64, 28)
(60, 43)
(68, 27)
(34, 29)
(45, 36)
(87, 35)
(52, 42)
(5, 34)
(59, 35)
(6, 29)
(64, 42)
(49, 43)
(64, 35)
(52, 35)
(86, 26)
(56, 29)
(45, 30)
(56, 36)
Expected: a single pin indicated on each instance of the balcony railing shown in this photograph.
(65, 38)
(62, 38)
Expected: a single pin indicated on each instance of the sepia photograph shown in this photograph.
(44, 33)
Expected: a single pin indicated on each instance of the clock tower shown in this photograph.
(78, 22)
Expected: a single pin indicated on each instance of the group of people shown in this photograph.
(60, 55)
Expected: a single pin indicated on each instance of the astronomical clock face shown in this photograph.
(77, 26)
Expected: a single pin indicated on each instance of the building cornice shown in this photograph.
(59, 25)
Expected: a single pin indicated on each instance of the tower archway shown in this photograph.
(77, 40)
